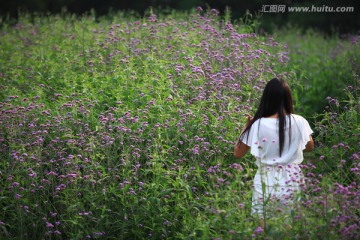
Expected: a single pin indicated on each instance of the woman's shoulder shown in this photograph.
(297, 117)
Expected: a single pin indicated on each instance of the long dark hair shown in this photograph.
(276, 98)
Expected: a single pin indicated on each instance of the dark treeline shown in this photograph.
(343, 22)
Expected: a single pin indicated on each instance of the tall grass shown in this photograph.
(125, 130)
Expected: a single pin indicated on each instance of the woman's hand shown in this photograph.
(248, 121)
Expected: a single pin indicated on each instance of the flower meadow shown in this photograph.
(123, 128)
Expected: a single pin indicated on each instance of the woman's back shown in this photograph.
(263, 139)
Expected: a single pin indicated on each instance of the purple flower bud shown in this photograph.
(49, 225)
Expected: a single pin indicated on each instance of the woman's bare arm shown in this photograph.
(310, 145)
(240, 149)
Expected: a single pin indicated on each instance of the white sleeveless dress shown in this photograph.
(278, 179)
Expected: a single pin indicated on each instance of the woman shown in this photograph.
(277, 138)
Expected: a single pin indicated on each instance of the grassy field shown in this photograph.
(123, 128)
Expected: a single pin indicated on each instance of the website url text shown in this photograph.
(312, 9)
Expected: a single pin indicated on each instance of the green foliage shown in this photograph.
(338, 136)
(323, 66)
